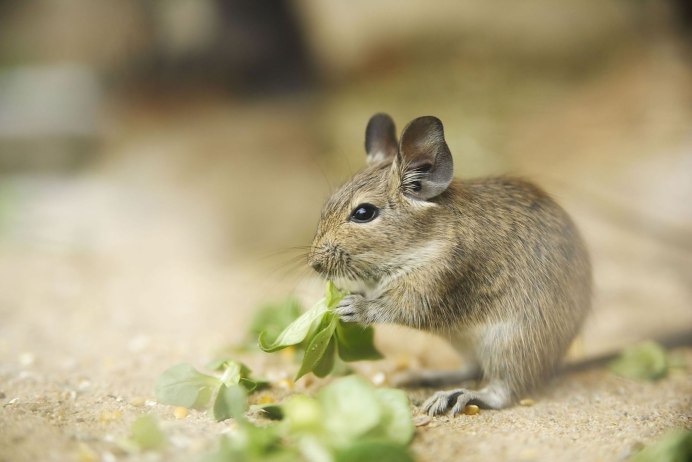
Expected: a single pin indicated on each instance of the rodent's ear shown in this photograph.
(425, 163)
(380, 138)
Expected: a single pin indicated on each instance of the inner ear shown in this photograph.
(425, 162)
(380, 138)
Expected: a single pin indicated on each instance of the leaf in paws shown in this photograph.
(317, 348)
(296, 332)
(356, 342)
(326, 364)
(323, 336)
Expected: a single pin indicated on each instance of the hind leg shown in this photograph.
(496, 395)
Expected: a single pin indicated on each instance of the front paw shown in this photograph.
(352, 308)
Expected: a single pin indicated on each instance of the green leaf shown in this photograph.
(351, 408)
(236, 373)
(232, 372)
(314, 450)
(272, 319)
(272, 411)
(646, 361)
(145, 434)
(326, 363)
(356, 342)
(675, 446)
(324, 335)
(397, 422)
(374, 451)
(318, 347)
(231, 401)
(302, 414)
(333, 295)
(183, 385)
(253, 384)
(294, 333)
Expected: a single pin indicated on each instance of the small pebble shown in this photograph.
(471, 409)
(137, 401)
(527, 402)
(69, 395)
(83, 385)
(27, 359)
(422, 420)
(138, 343)
(379, 379)
(180, 412)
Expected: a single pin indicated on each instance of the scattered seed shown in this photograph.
(471, 409)
(402, 362)
(527, 402)
(86, 454)
(109, 416)
(180, 412)
(286, 384)
(288, 354)
(266, 399)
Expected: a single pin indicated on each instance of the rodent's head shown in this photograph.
(380, 221)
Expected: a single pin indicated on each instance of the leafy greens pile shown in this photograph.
(183, 385)
(324, 337)
(348, 421)
(644, 361)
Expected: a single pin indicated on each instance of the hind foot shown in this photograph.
(495, 396)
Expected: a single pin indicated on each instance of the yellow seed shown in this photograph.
(527, 402)
(288, 353)
(286, 384)
(471, 409)
(109, 416)
(402, 362)
(180, 412)
(86, 454)
(266, 399)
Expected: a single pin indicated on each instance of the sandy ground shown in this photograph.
(158, 255)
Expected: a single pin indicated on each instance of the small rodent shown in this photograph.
(494, 265)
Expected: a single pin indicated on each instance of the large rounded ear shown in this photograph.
(425, 163)
(380, 138)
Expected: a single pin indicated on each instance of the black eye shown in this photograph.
(364, 213)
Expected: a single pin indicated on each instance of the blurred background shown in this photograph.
(160, 159)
